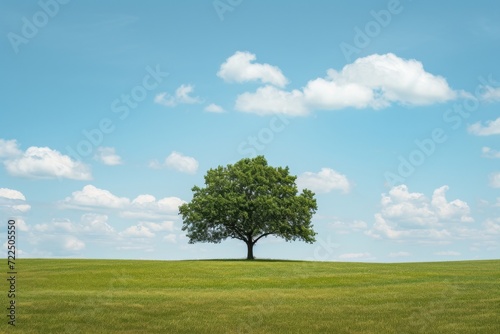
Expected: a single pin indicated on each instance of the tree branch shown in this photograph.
(263, 235)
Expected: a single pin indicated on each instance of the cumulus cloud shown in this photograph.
(455, 210)
(90, 224)
(11, 194)
(147, 229)
(21, 225)
(490, 153)
(72, 243)
(63, 236)
(271, 100)
(182, 96)
(342, 227)
(171, 238)
(376, 81)
(9, 148)
(177, 161)
(240, 67)
(492, 226)
(490, 128)
(412, 215)
(108, 156)
(43, 162)
(490, 94)
(212, 107)
(495, 180)
(96, 223)
(138, 231)
(393, 79)
(13, 201)
(159, 227)
(181, 163)
(333, 93)
(91, 196)
(152, 208)
(144, 206)
(324, 181)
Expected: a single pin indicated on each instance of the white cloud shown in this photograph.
(327, 93)
(96, 223)
(142, 207)
(413, 215)
(271, 100)
(9, 148)
(376, 81)
(13, 201)
(490, 128)
(170, 204)
(492, 226)
(158, 227)
(324, 181)
(393, 79)
(90, 196)
(108, 156)
(144, 200)
(138, 231)
(63, 235)
(171, 238)
(21, 207)
(90, 224)
(212, 107)
(181, 163)
(177, 161)
(43, 162)
(454, 210)
(147, 229)
(147, 207)
(155, 164)
(21, 225)
(73, 244)
(490, 153)
(490, 94)
(495, 180)
(240, 68)
(347, 227)
(11, 194)
(182, 96)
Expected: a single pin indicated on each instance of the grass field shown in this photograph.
(105, 296)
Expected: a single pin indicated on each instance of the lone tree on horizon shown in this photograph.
(248, 201)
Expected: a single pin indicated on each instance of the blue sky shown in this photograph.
(387, 110)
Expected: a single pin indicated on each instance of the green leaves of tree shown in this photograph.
(248, 201)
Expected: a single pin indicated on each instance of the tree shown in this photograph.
(248, 201)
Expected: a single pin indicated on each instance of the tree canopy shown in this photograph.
(248, 201)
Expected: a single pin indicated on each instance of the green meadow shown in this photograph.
(226, 296)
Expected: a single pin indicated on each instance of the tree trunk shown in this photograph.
(250, 250)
